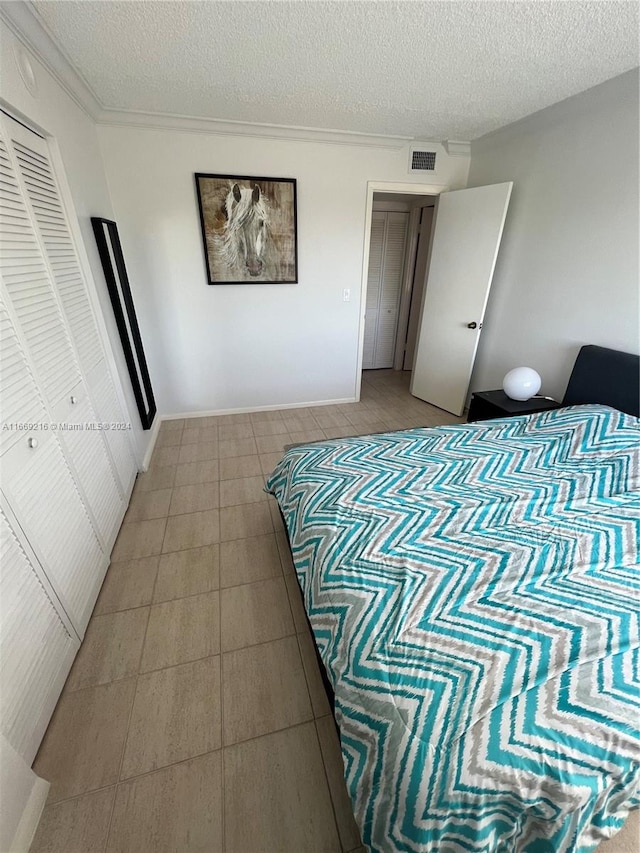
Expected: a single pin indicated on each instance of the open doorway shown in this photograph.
(398, 257)
(462, 251)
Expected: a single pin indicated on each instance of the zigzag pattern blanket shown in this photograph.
(473, 591)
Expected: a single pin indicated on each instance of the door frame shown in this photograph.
(408, 295)
(406, 287)
(381, 187)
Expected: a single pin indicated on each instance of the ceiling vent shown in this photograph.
(422, 160)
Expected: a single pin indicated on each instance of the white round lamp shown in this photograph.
(521, 383)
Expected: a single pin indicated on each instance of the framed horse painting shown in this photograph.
(249, 229)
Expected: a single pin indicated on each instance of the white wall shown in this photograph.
(567, 273)
(54, 112)
(214, 348)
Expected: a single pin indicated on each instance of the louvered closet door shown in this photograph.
(20, 402)
(43, 495)
(52, 225)
(36, 647)
(37, 175)
(92, 467)
(58, 328)
(29, 290)
(394, 247)
(374, 284)
(384, 285)
(64, 485)
(38, 182)
(37, 318)
(40, 488)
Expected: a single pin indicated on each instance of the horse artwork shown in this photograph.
(249, 229)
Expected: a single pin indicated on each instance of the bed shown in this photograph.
(473, 594)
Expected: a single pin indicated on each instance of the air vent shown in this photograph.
(422, 160)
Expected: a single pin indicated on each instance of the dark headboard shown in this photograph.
(605, 376)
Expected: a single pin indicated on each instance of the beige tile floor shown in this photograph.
(194, 719)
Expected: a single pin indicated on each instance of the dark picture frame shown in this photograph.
(249, 228)
(115, 273)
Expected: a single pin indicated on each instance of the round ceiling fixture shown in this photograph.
(25, 67)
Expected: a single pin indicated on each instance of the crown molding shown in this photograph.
(29, 28)
(194, 124)
(24, 23)
(456, 148)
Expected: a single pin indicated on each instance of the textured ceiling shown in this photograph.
(433, 70)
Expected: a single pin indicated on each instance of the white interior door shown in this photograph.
(467, 233)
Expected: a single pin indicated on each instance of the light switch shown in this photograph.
(346, 294)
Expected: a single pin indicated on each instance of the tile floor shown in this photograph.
(194, 719)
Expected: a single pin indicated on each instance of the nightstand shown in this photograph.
(495, 404)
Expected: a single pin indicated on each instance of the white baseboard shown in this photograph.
(30, 817)
(212, 413)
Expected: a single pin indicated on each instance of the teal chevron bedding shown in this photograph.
(473, 592)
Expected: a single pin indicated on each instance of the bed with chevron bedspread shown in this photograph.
(473, 592)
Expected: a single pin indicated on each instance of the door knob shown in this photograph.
(472, 325)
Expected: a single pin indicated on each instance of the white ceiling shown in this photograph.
(426, 69)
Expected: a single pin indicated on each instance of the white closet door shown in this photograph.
(394, 248)
(374, 285)
(20, 401)
(42, 493)
(53, 315)
(29, 290)
(32, 158)
(40, 487)
(36, 181)
(84, 446)
(36, 648)
(384, 284)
